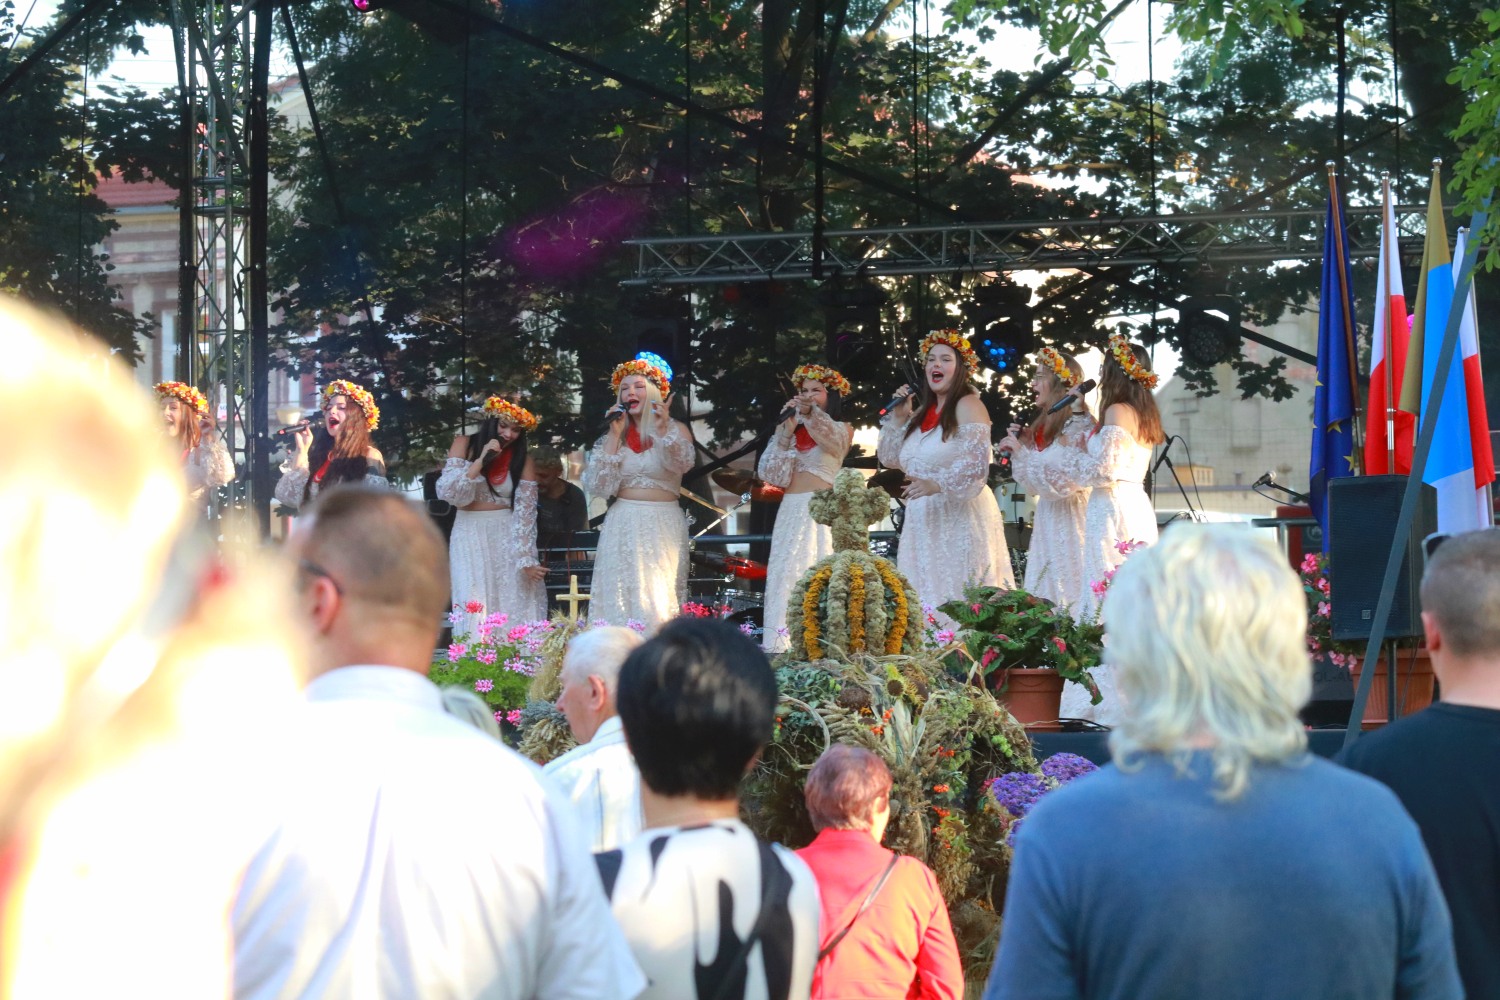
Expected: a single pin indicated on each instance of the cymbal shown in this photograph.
(890, 480)
(736, 480)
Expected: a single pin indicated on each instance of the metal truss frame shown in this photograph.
(1240, 237)
(223, 53)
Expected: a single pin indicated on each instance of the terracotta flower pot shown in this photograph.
(1414, 686)
(1032, 694)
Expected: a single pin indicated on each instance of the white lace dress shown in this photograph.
(955, 537)
(1119, 510)
(289, 487)
(1054, 563)
(797, 541)
(640, 568)
(489, 549)
(207, 467)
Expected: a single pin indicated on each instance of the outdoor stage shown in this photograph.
(1095, 745)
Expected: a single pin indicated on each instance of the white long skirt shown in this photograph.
(797, 542)
(640, 569)
(948, 544)
(483, 568)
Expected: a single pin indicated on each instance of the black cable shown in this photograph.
(463, 234)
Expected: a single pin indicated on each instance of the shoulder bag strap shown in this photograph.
(827, 949)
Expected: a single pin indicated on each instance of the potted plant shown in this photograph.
(496, 662)
(1414, 677)
(1025, 648)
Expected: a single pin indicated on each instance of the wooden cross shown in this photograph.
(572, 597)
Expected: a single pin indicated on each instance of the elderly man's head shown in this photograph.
(590, 673)
(1461, 597)
(1207, 630)
(849, 788)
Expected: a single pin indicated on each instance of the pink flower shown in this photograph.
(1323, 609)
(486, 656)
(513, 717)
(944, 637)
(484, 685)
(990, 655)
(500, 715)
(1002, 638)
(518, 633)
(474, 607)
(1310, 563)
(1099, 587)
(635, 626)
(486, 633)
(1062, 647)
(457, 651)
(497, 620)
(1322, 584)
(976, 607)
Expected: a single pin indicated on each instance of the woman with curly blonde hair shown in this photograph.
(338, 452)
(205, 459)
(490, 478)
(640, 569)
(802, 458)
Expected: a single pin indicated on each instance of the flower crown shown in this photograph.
(516, 416)
(1124, 356)
(1053, 360)
(358, 395)
(955, 340)
(655, 375)
(184, 393)
(821, 373)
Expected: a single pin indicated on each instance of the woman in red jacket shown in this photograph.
(885, 931)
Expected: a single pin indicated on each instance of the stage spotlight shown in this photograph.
(1208, 329)
(851, 333)
(661, 330)
(1000, 325)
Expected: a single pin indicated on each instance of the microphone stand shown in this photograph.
(1192, 512)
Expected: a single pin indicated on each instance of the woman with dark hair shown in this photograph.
(952, 537)
(802, 458)
(1047, 458)
(885, 931)
(338, 452)
(490, 478)
(205, 459)
(640, 568)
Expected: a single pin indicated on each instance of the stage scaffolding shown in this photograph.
(1237, 237)
(223, 63)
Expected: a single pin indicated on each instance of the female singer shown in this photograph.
(640, 569)
(339, 452)
(492, 552)
(205, 459)
(953, 536)
(802, 458)
(1047, 459)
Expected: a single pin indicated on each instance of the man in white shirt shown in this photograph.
(414, 857)
(598, 776)
(711, 912)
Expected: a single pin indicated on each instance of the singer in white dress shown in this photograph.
(640, 568)
(492, 556)
(1119, 510)
(952, 536)
(338, 452)
(802, 458)
(1045, 460)
(205, 458)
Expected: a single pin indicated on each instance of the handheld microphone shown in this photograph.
(1005, 452)
(786, 413)
(613, 413)
(1072, 394)
(311, 420)
(896, 400)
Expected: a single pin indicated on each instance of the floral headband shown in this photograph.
(358, 395)
(184, 393)
(955, 340)
(1053, 360)
(821, 373)
(655, 375)
(516, 416)
(1124, 356)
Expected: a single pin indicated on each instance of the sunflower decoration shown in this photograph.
(186, 394)
(510, 413)
(652, 366)
(821, 373)
(1124, 356)
(358, 395)
(1050, 357)
(957, 341)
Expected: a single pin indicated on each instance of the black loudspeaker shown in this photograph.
(1362, 514)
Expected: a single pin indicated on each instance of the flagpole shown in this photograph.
(1387, 250)
(1343, 269)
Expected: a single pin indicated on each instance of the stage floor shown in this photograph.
(1095, 746)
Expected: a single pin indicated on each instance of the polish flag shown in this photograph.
(1479, 424)
(1385, 433)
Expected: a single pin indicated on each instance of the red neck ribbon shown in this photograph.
(633, 439)
(805, 440)
(322, 470)
(930, 418)
(500, 467)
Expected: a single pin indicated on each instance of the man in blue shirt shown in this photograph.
(1216, 857)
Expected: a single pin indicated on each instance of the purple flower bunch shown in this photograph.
(1064, 767)
(1016, 793)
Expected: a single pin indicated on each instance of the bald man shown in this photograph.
(414, 856)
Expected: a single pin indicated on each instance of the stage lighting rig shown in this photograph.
(999, 318)
(851, 332)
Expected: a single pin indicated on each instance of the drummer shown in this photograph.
(802, 457)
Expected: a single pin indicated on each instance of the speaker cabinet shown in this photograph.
(1362, 514)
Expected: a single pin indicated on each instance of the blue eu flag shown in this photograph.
(1333, 398)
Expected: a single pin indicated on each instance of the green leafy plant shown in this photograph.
(1004, 630)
